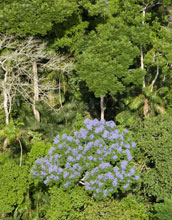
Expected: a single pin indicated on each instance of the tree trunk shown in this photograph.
(141, 49)
(102, 108)
(36, 91)
(145, 107)
(156, 76)
(142, 64)
(21, 151)
(5, 94)
(6, 106)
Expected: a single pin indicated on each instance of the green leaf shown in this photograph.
(137, 102)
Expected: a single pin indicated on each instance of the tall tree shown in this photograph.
(104, 59)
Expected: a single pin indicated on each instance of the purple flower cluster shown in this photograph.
(99, 155)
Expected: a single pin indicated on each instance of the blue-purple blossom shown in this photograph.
(104, 165)
(89, 127)
(70, 139)
(77, 141)
(83, 133)
(119, 150)
(60, 146)
(115, 182)
(47, 180)
(52, 149)
(92, 182)
(136, 177)
(99, 129)
(76, 134)
(88, 188)
(78, 157)
(40, 160)
(65, 174)
(95, 170)
(90, 155)
(56, 178)
(110, 124)
(126, 186)
(109, 175)
(56, 140)
(64, 137)
(95, 122)
(68, 165)
(87, 164)
(91, 137)
(113, 136)
(71, 159)
(105, 134)
(129, 157)
(67, 184)
(87, 121)
(124, 163)
(127, 146)
(98, 190)
(96, 143)
(80, 148)
(132, 171)
(100, 184)
(100, 176)
(105, 193)
(75, 152)
(133, 144)
(114, 157)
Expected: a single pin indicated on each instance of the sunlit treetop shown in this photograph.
(33, 17)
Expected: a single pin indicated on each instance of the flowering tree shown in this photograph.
(99, 157)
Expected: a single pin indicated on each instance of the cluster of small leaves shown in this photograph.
(164, 210)
(154, 152)
(77, 205)
(104, 65)
(34, 17)
(98, 156)
(64, 205)
(14, 185)
(127, 208)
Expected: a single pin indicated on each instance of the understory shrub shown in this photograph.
(13, 186)
(164, 210)
(126, 209)
(99, 157)
(154, 155)
(64, 205)
(38, 149)
(78, 205)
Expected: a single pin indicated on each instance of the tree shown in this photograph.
(34, 17)
(104, 59)
(20, 61)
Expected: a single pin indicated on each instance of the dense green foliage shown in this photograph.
(154, 154)
(64, 61)
(70, 207)
(127, 209)
(164, 210)
(77, 205)
(104, 58)
(13, 185)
